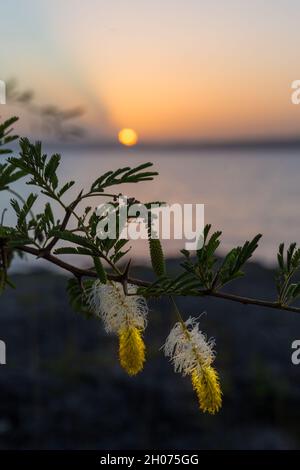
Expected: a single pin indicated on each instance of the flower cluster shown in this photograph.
(192, 354)
(187, 347)
(124, 315)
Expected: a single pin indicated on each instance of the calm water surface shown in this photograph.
(244, 192)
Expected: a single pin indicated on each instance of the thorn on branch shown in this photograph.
(124, 277)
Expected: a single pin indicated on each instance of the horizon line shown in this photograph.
(179, 145)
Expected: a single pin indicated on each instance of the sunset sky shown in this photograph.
(170, 69)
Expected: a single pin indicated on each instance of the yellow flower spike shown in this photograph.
(207, 387)
(192, 354)
(131, 350)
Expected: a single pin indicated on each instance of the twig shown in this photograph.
(251, 301)
(79, 272)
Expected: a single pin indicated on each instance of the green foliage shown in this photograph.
(202, 269)
(100, 270)
(184, 284)
(235, 260)
(288, 266)
(5, 134)
(210, 276)
(122, 176)
(42, 235)
(77, 292)
(78, 240)
(41, 168)
(22, 212)
(6, 255)
(8, 175)
(201, 274)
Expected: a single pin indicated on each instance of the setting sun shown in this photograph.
(128, 137)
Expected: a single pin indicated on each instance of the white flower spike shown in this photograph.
(192, 354)
(188, 347)
(115, 308)
(124, 315)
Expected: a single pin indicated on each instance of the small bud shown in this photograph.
(157, 257)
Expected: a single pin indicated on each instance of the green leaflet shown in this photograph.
(100, 270)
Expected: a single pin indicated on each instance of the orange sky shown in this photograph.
(171, 70)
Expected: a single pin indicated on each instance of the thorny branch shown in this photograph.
(79, 273)
(199, 279)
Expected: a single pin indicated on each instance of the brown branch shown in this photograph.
(63, 225)
(88, 195)
(69, 211)
(79, 272)
(251, 301)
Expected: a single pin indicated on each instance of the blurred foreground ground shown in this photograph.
(62, 387)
